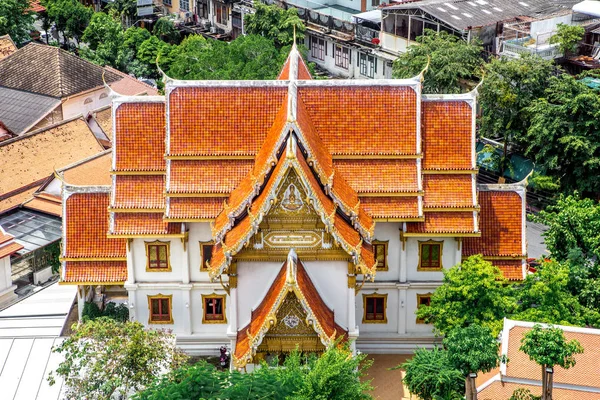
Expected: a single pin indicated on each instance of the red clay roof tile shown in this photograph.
(139, 191)
(448, 191)
(391, 207)
(444, 222)
(94, 272)
(191, 208)
(207, 176)
(144, 224)
(379, 176)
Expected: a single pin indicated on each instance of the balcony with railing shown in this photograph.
(326, 23)
(366, 34)
(527, 45)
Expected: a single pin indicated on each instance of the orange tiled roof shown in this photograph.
(391, 207)
(143, 224)
(291, 277)
(130, 86)
(140, 137)
(379, 176)
(86, 228)
(17, 199)
(5, 237)
(207, 176)
(511, 269)
(447, 135)
(504, 390)
(201, 127)
(584, 373)
(44, 205)
(345, 118)
(501, 225)
(139, 191)
(94, 272)
(93, 171)
(34, 156)
(444, 222)
(9, 249)
(104, 120)
(303, 72)
(450, 191)
(191, 208)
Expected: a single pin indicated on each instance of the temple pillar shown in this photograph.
(185, 264)
(401, 311)
(130, 263)
(186, 294)
(402, 270)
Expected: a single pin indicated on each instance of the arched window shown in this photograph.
(103, 96)
(88, 100)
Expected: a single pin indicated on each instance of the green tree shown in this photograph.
(454, 63)
(275, 23)
(431, 376)
(128, 56)
(78, 20)
(564, 135)
(508, 88)
(334, 375)
(151, 50)
(126, 9)
(471, 350)
(473, 293)
(104, 36)
(545, 297)
(567, 37)
(104, 357)
(165, 30)
(247, 57)
(548, 347)
(16, 19)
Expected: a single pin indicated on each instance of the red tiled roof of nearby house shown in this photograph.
(35, 6)
(8, 245)
(582, 381)
(130, 86)
(293, 279)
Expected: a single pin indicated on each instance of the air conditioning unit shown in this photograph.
(213, 29)
(187, 15)
(205, 23)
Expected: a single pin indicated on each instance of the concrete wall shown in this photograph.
(75, 105)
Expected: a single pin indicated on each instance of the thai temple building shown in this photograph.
(265, 215)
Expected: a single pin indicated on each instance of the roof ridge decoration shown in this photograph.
(237, 233)
(248, 342)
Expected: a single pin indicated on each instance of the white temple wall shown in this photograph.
(389, 231)
(198, 232)
(391, 311)
(450, 257)
(176, 260)
(197, 311)
(331, 280)
(181, 319)
(254, 280)
(411, 307)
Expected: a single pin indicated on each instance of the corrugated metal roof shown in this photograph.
(462, 14)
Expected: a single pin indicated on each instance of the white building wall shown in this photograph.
(389, 231)
(5, 276)
(254, 280)
(198, 232)
(395, 44)
(176, 260)
(75, 105)
(450, 257)
(542, 30)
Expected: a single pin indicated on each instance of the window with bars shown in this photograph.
(430, 255)
(368, 65)
(206, 249)
(157, 254)
(318, 48)
(184, 5)
(202, 8)
(374, 308)
(214, 309)
(160, 309)
(222, 13)
(423, 300)
(342, 56)
(380, 250)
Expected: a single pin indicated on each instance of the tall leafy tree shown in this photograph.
(275, 23)
(165, 30)
(105, 358)
(508, 88)
(548, 348)
(104, 36)
(150, 51)
(472, 293)
(564, 135)
(16, 19)
(454, 63)
(431, 376)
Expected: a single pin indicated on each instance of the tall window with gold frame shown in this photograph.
(157, 256)
(214, 309)
(430, 255)
(206, 249)
(423, 300)
(374, 308)
(160, 309)
(380, 251)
